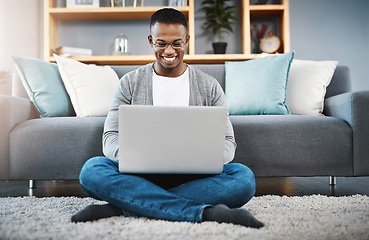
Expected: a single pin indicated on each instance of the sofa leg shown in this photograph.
(332, 180)
(32, 184)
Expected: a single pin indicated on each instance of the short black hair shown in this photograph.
(168, 16)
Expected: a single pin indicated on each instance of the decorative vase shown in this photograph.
(120, 45)
(219, 47)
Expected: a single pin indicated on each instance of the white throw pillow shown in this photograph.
(306, 87)
(90, 87)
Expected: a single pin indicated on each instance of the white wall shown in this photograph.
(20, 31)
(333, 30)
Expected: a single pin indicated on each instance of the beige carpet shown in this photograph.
(310, 217)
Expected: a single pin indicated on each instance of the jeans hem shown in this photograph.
(201, 211)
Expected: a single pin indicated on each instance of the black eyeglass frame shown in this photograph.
(181, 42)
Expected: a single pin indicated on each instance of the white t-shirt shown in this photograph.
(171, 91)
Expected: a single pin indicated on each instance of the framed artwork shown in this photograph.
(83, 3)
(261, 27)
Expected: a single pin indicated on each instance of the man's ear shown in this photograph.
(150, 40)
(187, 39)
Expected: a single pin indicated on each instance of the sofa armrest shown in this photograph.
(13, 110)
(353, 107)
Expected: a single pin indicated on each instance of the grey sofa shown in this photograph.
(271, 145)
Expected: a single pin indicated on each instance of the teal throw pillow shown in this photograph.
(258, 87)
(44, 87)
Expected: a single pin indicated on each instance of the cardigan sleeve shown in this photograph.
(121, 96)
(230, 142)
(132, 89)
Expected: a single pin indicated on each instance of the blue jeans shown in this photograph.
(169, 197)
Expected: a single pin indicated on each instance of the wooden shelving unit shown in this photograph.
(53, 14)
(107, 13)
(280, 11)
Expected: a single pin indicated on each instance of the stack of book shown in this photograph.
(73, 51)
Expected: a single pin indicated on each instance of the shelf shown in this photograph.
(144, 59)
(270, 7)
(107, 13)
(218, 58)
(113, 59)
(54, 15)
(266, 10)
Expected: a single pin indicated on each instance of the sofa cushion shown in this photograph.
(90, 87)
(54, 148)
(307, 85)
(294, 145)
(340, 83)
(258, 86)
(44, 87)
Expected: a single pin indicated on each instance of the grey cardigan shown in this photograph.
(136, 88)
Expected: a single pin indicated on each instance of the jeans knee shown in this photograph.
(249, 183)
(91, 169)
(245, 180)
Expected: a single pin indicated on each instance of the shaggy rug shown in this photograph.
(308, 217)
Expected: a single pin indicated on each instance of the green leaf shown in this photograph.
(219, 16)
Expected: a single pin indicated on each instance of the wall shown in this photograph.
(333, 30)
(20, 30)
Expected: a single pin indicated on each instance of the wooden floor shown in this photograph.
(291, 186)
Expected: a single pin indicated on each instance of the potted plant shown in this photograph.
(219, 18)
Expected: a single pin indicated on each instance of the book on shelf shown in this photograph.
(177, 3)
(72, 51)
(83, 3)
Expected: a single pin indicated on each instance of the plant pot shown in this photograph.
(219, 47)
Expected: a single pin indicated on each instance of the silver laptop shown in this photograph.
(167, 140)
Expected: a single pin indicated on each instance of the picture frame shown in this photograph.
(261, 27)
(83, 3)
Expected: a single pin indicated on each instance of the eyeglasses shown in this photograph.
(163, 45)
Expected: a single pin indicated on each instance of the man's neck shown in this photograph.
(170, 72)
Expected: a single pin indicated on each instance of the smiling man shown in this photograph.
(169, 58)
(191, 198)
